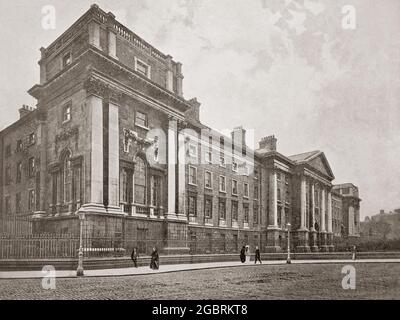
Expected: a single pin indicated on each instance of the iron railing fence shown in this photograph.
(42, 246)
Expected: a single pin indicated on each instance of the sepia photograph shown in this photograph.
(198, 150)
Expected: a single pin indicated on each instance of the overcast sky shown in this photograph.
(276, 67)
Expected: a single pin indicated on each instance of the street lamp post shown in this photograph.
(79, 271)
(288, 260)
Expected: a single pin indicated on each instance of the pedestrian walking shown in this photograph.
(243, 255)
(257, 256)
(154, 263)
(135, 256)
(354, 250)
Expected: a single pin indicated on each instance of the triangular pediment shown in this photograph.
(320, 163)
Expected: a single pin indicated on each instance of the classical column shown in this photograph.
(323, 229)
(329, 212)
(312, 228)
(303, 203)
(95, 111)
(273, 244)
(113, 157)
(133, 193)
(172, 154)
(273, 204)
(59, 189)
(182, 210)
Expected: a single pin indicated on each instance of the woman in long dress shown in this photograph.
(154, 263)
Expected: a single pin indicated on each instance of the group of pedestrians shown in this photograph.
(154, 261)
(246, 252)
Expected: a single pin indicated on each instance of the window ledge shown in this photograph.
(143, 127)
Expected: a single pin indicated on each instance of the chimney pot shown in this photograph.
(268, 143)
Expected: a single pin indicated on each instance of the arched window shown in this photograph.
(67, 176)
(140, 181)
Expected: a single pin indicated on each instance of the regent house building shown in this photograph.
(112, 136)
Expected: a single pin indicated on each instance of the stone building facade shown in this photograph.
(350, 208)
(113, 137)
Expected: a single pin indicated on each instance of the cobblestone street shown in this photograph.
(374, 281)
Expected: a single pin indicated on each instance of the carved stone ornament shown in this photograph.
(100, 88)
(141, 144)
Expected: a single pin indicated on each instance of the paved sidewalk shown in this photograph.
(174, 268)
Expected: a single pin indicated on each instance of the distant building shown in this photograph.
(349, 194)
(382, 226)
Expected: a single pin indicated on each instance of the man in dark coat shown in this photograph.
(243, 255)
(258, 255)
(154, 263)
(135, 256)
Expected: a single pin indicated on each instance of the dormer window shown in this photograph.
(67, 59)
(142, 67)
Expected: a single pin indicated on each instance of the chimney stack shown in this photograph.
(268, 143)
(194, 111)
(382, 211)
(25, 110)
(239, 136)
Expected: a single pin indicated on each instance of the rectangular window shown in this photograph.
(19, 145)
(142, 68)
(31, 200)
(287, 179)
(67, 59)
(192, 202)
(8, 151)
(255, 214)
(18, 203)
(8, 175)
(234, 166)
(246, 190)
(222, 184)
(7, 204)
(256, 192)
(222, 161)
(32, 138)
(208, 180)
(345, 190)
(31, 167)
(278, 176)
(279, 195)
(235, 210)
(141, 119)
(234, 187)
(192, 175)
(222, 209)
(208, 207)
(209, 157)
(193, 150)
(67, 113)
(246, 212)
(287, 196)
(19, 172)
